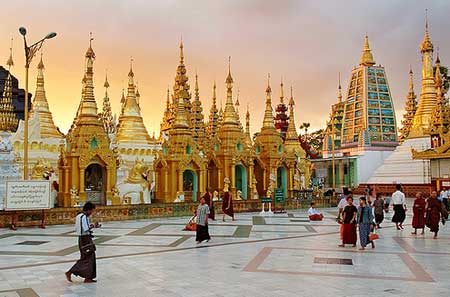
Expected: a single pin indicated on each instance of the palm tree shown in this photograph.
(305, 126)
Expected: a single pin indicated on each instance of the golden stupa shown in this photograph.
(87, 165)
(40, 106)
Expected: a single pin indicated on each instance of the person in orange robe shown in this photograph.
(227, 206)
(209, 201)
(419, 207)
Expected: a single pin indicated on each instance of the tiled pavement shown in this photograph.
(283, 255)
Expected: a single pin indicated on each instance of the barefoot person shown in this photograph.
(86, 266)
(227, 203)
(349, 223)
(378, 209)
(419, 207)
(435, 212)
(399, 205)
(209, 201)
(202, 232)
(365, 220)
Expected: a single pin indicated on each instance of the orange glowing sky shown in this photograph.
(306, 42)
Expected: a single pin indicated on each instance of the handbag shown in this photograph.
(373, 236)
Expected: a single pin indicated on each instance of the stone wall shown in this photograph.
(58, 216)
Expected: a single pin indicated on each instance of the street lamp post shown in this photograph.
(30, 52)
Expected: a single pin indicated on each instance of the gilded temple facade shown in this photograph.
(196, 155)
(87, 163)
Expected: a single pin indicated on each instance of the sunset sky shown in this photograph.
(306, 42)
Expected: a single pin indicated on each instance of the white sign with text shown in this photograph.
(27, 195)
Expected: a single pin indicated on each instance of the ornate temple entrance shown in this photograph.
(190, 185)
(213, 176)
(94, 184)
(241, 180)
(282, 179)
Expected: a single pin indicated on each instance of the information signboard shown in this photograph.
(28, 195)
(279, 195)
(266, 200)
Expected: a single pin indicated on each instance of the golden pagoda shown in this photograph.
(8, 119)
(87, 165)
(269, 151)
(230, 159)
(180, 166)
(428, 99)
(410, 110)
(131, 127)
(40, 106)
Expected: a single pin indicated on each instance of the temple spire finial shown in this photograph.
(281, 91)
(426, 45)
(229, 79)
(106, 84)
(367, 57)
(10, 61)
(340, 88)
(181, 51)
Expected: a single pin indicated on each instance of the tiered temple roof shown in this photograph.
(281, 117)
(8, 119)
(410, 110)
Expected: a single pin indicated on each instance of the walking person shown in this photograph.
(435, 213)
(342, 204)
(365, 221)
(86, 266)
(419, 207)
(399, 206)
(227, 204)
(445, 195)
(209, 201)
(378, 209)
(349, 224)
(202, 232)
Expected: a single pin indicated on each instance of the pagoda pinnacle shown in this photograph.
(367, 57)
(229, 114)
(340, 89)
(248, 138)
(291, 134)
(10, 61)
(268, 122)
(213, 115)
(426, 45)
(181, 52)
(281, 92)
(106, 115)
(88, 106)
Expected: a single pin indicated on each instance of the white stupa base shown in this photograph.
(400, 167)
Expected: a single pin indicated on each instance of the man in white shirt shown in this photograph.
(399, 205)
(314, 214)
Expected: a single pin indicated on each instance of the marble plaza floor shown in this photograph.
(283, 255)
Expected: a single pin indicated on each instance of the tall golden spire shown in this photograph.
(440, 117)
(197, 118)
(340, 89)
(107, 116)
(40, 105)
(131, 126)
(87, 111)
(410, 110)
(8, 120)
(168, 117)
(268, 122)
(291, 133)
(281, 92)
(229, 114)
(367, 58)
(181, 87)
(248, 138)
(213, 115)
(428, 98)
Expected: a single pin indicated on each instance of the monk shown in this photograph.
(209, 201)
(435, 211)
(227, 204)
(419, 208)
